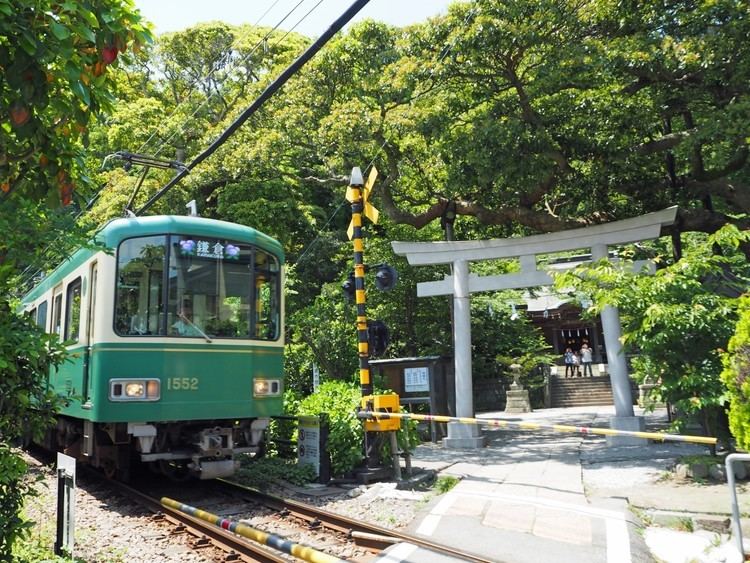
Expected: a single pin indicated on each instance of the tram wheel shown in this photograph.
(110, 468)
(175, 470)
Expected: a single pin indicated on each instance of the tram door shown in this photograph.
(89, 334)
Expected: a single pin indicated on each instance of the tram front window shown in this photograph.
(221, 289)
(214, 288)
(140, 279)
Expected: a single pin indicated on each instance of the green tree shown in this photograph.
(736, 376)
(26, 408)
(56, 60)
(676, 321)
(538, 116)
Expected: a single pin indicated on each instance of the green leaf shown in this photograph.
(72, 71)
(28, 43)
(89, 17)
(84, 32)
(80, 90)
(59, 30)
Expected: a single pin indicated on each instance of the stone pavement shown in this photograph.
(534, 495)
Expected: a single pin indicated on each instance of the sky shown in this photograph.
(175, 15)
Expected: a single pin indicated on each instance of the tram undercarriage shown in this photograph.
(180, 450)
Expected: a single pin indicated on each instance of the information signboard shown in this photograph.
(308, 442)
(416, 379)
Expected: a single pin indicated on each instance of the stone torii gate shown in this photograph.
(461, 284)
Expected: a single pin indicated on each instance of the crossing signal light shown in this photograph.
(349, 287)
(385, 277)
(377, 337)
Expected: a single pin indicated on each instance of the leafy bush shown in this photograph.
(26, 409)
(736, 377)
(260, 473)
(340, 401)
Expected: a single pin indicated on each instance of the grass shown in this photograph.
(442, 485)
(643, 516)
(701, 458)
(445, 483)
(685, 524)
(260, 473)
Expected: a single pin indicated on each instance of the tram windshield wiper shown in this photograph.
(195, 326)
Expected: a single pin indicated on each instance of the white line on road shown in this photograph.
(618, 539)
(398, 554)
(431, 521)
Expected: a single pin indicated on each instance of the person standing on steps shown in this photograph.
(568, 358)
(586, 358)
(576, 364)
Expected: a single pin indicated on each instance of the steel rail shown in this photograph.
(275, 541)
(369, 536)
(226, 541)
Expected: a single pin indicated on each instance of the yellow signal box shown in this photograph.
(387, 403)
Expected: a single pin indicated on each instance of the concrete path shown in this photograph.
(534, 496)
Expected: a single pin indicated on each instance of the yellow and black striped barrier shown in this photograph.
(271, 540)
(500, 423)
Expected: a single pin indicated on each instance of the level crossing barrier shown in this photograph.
(525, 425)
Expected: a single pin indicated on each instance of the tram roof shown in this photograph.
(117, 230)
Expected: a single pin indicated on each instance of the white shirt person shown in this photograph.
(586, 359)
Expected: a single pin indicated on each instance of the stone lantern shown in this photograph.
(517, 398)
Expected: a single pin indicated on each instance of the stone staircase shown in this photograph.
(583, 391)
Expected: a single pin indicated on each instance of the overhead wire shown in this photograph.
(444, 53)
(264, 96)
(190, 88)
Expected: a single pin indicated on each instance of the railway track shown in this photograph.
(343, 535)
(369, 536)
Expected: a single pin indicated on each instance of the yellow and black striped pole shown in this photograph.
(529, 425)
(355, 196)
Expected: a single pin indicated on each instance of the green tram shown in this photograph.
(176, 335)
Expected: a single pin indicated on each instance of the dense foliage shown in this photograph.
(26, 408)
(736, 376)
(677, 321)
(525, 116)
(341, 400)
(56, 60)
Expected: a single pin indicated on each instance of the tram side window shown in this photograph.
(41, 315)
(73, 310)
(57, 314)
(266, 317)
(140, 281)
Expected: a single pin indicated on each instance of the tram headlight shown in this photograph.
(134, 389)
(266, 388)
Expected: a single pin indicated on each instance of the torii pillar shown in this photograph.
(461, 284)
